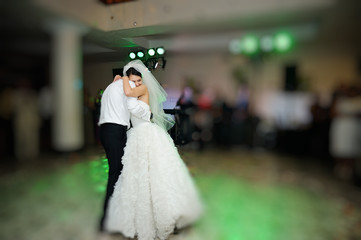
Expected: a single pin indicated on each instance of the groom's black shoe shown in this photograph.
(101, 225)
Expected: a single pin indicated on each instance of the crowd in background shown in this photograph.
(332, 137)
(203, 120)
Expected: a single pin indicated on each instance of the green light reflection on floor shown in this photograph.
(70, 199)
(239, 210)
(99, 173)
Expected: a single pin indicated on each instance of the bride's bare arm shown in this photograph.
(133, 92)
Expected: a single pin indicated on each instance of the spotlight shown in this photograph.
(283, 42)
(140, 54)
(250, 44)
(151, 52)
(132, 55)
(160, 51)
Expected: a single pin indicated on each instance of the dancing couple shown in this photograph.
(150, 192)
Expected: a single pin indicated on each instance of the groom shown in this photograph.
(115, 112)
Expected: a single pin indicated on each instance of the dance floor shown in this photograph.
(247, 195)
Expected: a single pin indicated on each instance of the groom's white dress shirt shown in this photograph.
(116, 107)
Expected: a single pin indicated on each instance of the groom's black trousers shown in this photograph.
(113, 138)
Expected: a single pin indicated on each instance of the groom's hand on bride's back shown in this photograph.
(117, 77)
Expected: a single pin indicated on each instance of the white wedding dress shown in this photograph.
(155, 192)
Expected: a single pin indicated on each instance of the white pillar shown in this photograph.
(67, 86)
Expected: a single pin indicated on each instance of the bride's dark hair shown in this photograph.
(133, 71)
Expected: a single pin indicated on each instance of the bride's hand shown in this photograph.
(117, 77)
(126, 78)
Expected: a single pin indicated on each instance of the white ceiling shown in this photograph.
(326, 20)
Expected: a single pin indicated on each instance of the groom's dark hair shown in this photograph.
(133, 71)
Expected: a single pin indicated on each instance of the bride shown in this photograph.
(155, 193)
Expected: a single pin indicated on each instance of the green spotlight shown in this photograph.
(283, 42)
(151, 52)
(266, 43)
(250, 45)
(160, 50)
(140, 54)
(132, 55)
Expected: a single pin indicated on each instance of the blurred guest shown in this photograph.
(6, 123)
(222, 123)
(345, 132)
(242, 100)
(186, 100)
(186, 125)
(88, 109)
(26, 121)
(203, 120)
(240, 116)
(96, 115)
(320, 127)
(46, 113)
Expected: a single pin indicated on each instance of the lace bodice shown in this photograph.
(138, 121)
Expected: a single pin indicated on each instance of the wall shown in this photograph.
(320, 69)
(98, 75)
(147, 13)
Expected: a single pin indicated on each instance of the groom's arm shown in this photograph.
(135, 108)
